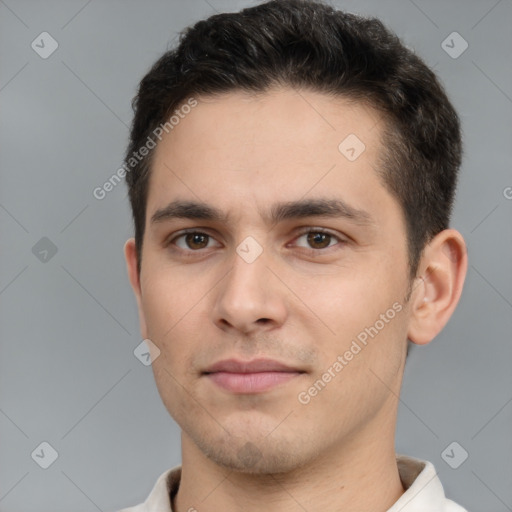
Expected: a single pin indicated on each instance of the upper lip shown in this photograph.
(254, 366)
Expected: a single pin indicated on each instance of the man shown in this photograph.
(291, 173)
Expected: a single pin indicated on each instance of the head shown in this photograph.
(290, 114)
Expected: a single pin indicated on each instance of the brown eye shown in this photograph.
(196, 240)
(192, 241)
(318, 240)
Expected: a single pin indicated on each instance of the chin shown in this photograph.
(262, 456)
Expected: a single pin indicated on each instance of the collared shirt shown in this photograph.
(423, 490)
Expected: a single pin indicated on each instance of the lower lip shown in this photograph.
(250, 382)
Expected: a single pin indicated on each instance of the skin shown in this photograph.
(301, 301)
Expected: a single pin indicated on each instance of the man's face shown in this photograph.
(253, 286)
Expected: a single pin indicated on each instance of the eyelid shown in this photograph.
(318, 229)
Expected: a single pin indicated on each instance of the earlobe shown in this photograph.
(130, 254)
(442, 268)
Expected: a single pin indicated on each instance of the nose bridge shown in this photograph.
(248, 274)
(248, 293)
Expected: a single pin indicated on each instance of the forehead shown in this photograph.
(238, 150)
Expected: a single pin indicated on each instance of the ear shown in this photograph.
(441, 273)
(130, 254)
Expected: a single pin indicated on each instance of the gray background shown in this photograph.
(68, 322)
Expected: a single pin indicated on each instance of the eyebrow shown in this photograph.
(321, 207)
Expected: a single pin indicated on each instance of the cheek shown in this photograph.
(172, 321)
(361, 315)
(171, 308)
(348, 302)
(168, 293)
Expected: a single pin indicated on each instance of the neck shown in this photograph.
(361, 474)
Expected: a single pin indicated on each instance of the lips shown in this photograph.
(254, 376)
(254, 366)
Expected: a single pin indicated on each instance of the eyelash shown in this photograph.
(192, 252)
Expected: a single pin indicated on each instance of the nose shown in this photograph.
(250, 298)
